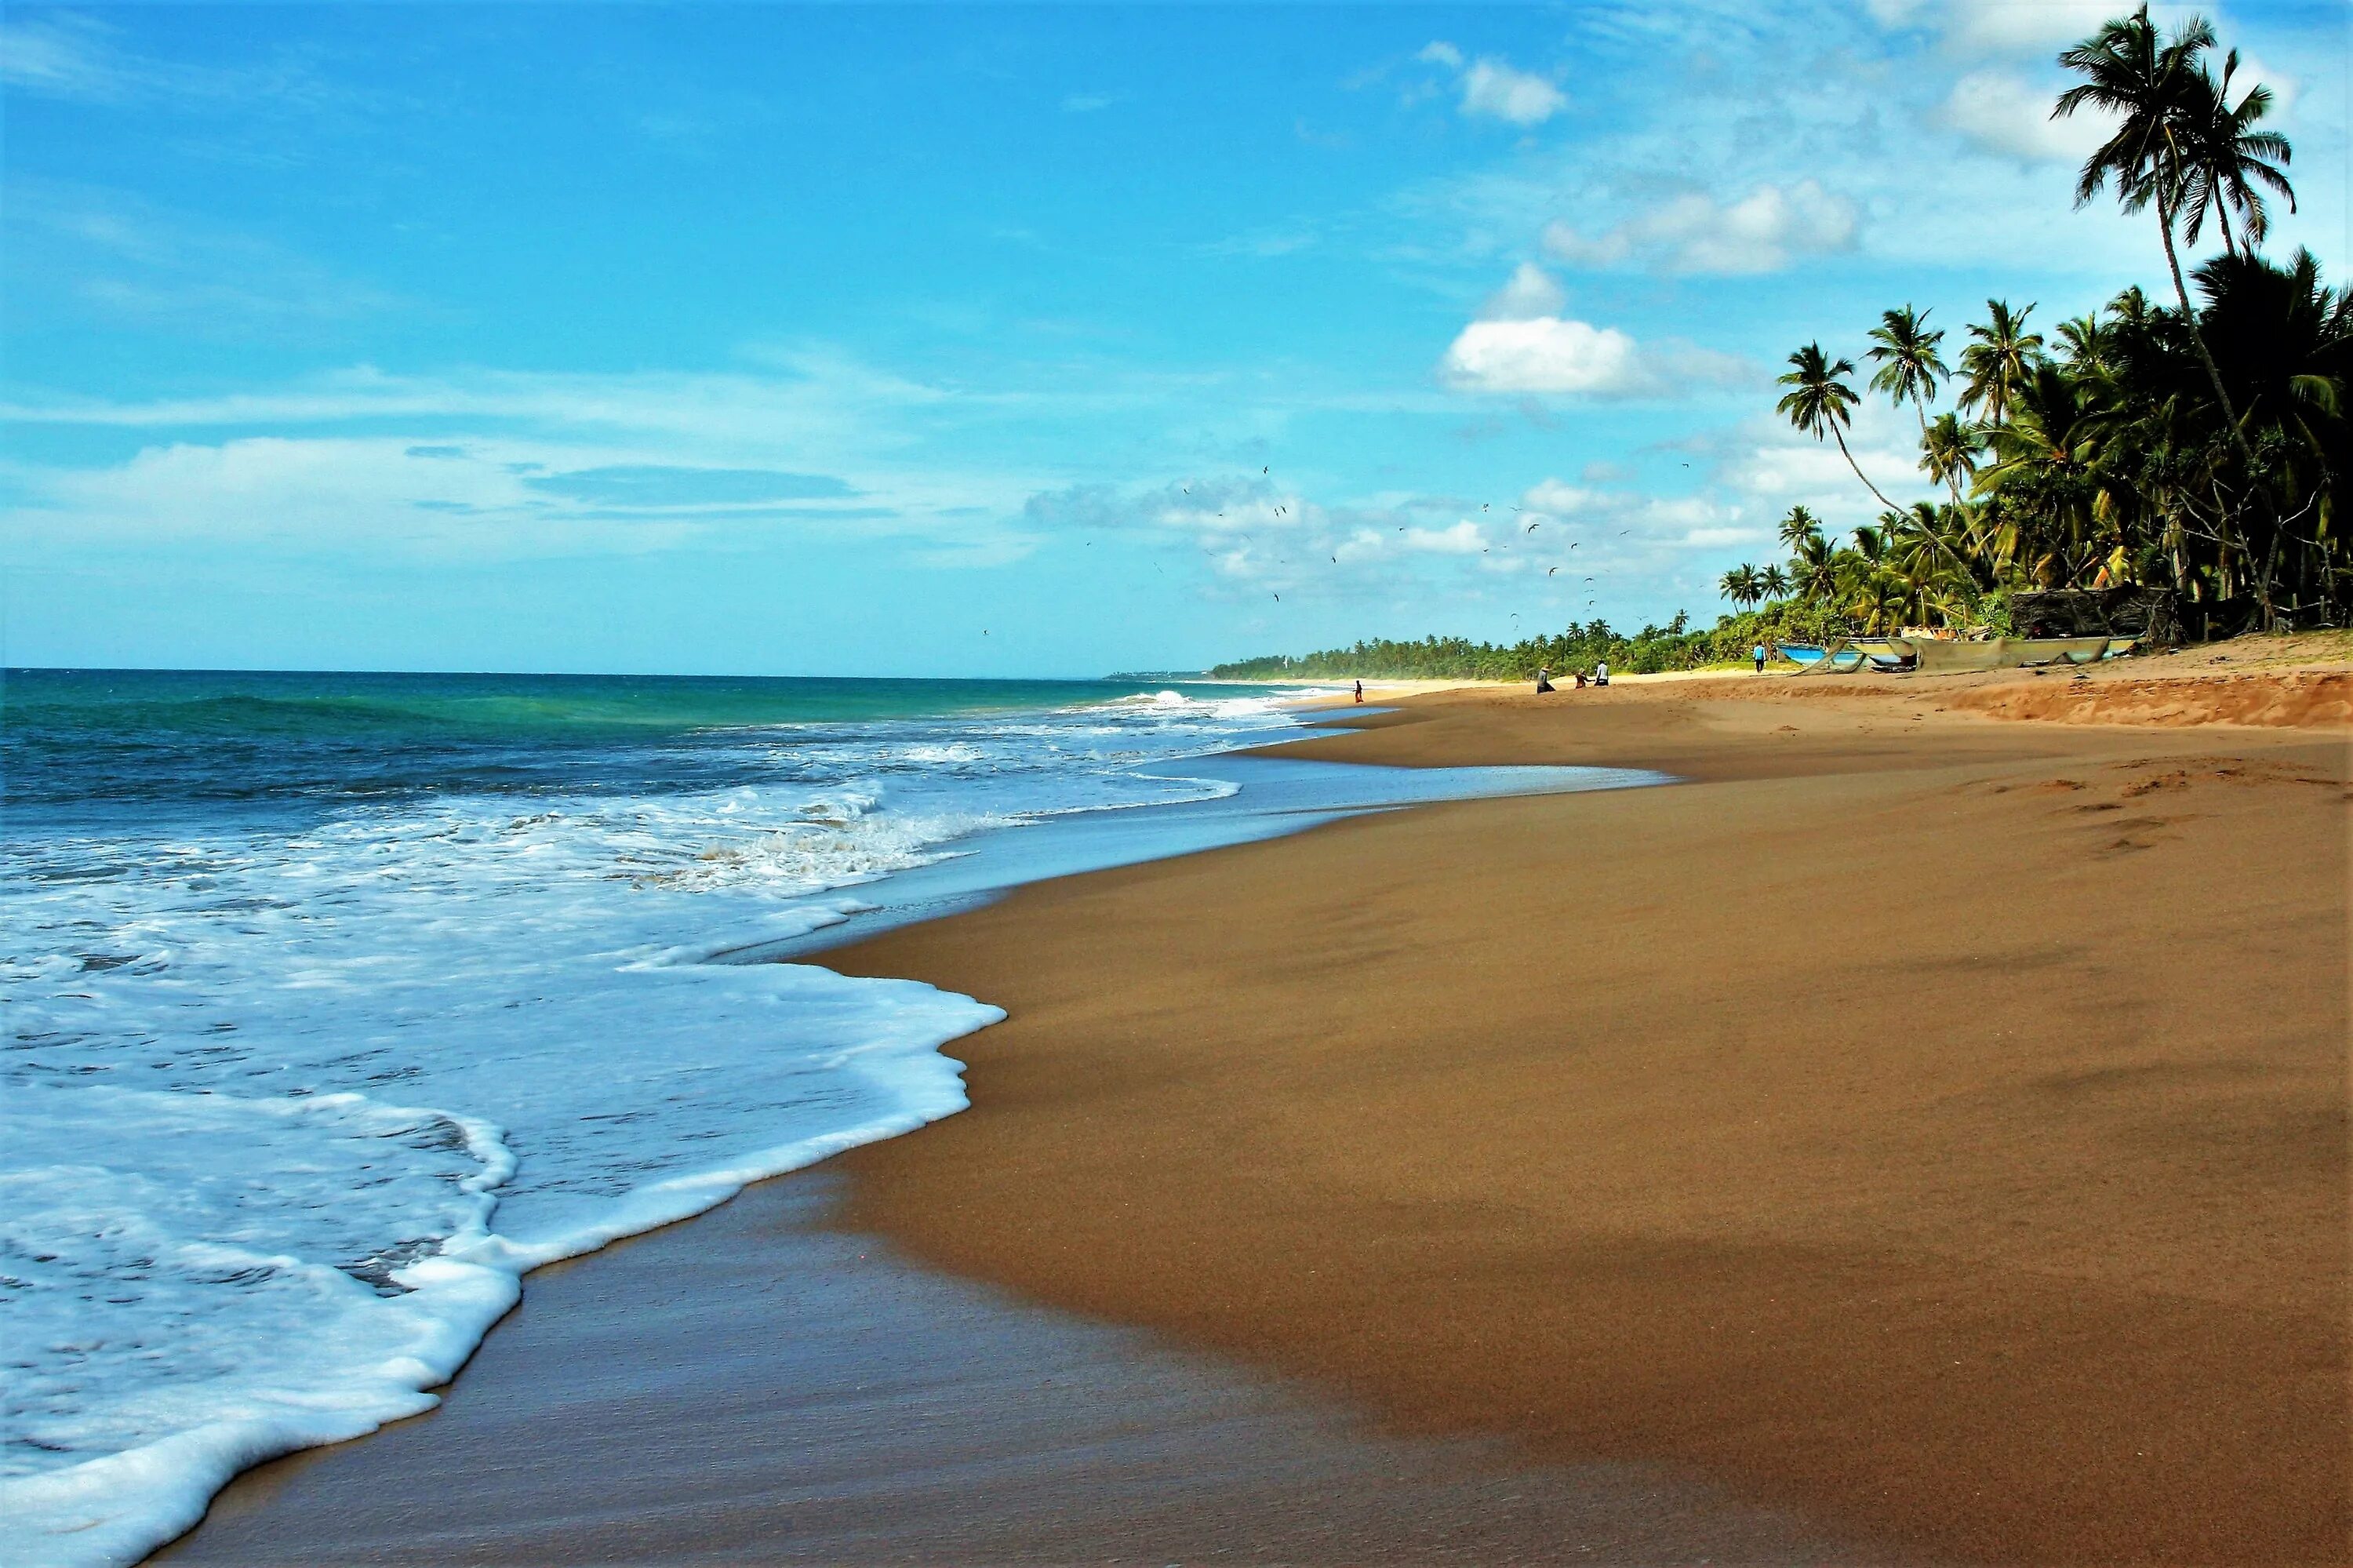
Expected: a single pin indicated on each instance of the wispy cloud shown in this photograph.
(122, 257)
(64, 55)
(2002, 113)
(1764, 231)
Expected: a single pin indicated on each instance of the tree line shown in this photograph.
(2195, 446)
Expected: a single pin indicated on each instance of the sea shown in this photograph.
(335, 1003)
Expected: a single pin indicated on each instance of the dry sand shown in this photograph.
(1925, 1127)
(1933, 1124)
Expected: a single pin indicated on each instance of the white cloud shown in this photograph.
(1087, 102)
(2024, 25)
(1520, 344)
(2285, 89)
(1554, 499)
(1764, 231)
(1542, 354)
(1771, 467)
(1462, 539)
(1530, 294)
(1493, 88)
(2002, 113)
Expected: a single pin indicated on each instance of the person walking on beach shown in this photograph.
(1601, 673)
(1757, 653)
(1360, 687)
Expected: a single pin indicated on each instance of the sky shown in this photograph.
(993, 341)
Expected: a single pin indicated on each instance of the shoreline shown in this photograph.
(1164, 1042)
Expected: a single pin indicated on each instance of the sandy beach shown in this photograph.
(1919, 1135)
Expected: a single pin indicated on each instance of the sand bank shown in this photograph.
(1919, 1136)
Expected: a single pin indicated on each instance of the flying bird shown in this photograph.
(1278, 598)
(1262, 471)
(1549, 571)
(1534, 526)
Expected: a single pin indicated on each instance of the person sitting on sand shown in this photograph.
(1543, 680)
(1580, 680)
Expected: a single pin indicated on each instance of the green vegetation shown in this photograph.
(2194, 447)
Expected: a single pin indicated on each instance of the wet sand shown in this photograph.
(759, 1385)
(1921, 1136)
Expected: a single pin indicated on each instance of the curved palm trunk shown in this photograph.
(1839, 436)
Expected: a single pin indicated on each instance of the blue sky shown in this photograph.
(772, 339)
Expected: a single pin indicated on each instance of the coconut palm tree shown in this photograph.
(1928, 548)
(1740, 586)
(1799, 526)
(1949, 451)
(1997, 360)
(2159, 93)
(1773, 582)
(1821, 402)
(2227, 158)
(1909, 369)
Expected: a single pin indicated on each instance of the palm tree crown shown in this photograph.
(2227, 158)
(1909, 369)
(1799, 525)
(1997, 360)
(1820, 402)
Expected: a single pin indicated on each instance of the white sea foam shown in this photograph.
(289, 1103)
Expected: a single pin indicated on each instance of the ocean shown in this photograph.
(337, 1003)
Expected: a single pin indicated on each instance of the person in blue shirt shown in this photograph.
(1757, 653)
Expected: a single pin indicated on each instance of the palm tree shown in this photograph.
(1909, 369)
(2084, 340)
(1799, 526)
(1813, 570)
(1741, 587)
(1997, 360)
(1926, 550)
(1949, 451)
(1773, 582)
(1822, 402)
(2157, 91)
(2228, 158)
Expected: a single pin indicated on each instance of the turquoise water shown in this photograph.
(335, 1003)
